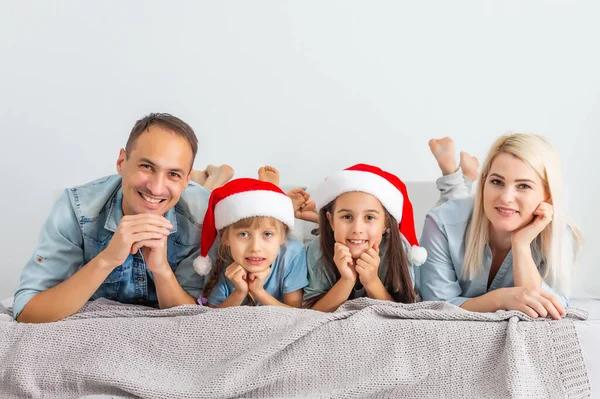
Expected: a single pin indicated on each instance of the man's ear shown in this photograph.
(122, 157)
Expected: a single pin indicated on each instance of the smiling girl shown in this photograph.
(511, 247)
(367, 245)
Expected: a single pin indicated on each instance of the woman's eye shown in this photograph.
(523, 186)
(496, 182)
(347, 217)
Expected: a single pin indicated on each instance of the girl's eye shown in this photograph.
(370, 217)
(523, 186)
(243, 234)
(347, 217)
(496, 182)
(268, 234)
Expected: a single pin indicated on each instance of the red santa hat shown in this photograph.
(236, 200)
(384, 186)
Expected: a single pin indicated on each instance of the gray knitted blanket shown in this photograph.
(367, 348)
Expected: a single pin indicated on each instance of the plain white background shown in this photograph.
(307, 86)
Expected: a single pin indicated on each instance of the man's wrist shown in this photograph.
(162, 272)
(103, 263)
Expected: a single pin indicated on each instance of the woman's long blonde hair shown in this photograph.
(553, 245)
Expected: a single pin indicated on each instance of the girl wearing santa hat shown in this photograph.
(511, 247)
(367, 244)
(255, 263)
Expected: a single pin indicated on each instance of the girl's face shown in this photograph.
(512, 192)
(256, 247)
(358, 221)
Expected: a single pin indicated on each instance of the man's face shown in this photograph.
(156, 171)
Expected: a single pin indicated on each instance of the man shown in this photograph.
(130, 237)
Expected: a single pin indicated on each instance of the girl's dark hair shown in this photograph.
(397, 280)
(224, 258)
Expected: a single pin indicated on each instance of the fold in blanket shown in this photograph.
(367, 348)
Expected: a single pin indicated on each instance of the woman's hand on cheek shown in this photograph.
(367, 266)
(542, 217)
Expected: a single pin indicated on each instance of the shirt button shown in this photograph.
(140, 279)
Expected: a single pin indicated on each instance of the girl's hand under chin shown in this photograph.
(344, 262)
(367, 266)
(238, 276)
(256, 281)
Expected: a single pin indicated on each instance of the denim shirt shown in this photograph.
(81, 225)
(440, 277)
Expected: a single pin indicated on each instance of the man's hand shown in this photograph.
(155, 255)
(134, 229)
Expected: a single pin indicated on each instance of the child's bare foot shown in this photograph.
(304, 209)
(269, 173)
(298, 197)
(199, 176)
(217, 176)
(443, 151)
(308, 212)
(469, 165)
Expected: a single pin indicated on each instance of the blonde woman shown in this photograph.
(511, 246)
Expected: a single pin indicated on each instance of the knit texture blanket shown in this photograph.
(367, 348)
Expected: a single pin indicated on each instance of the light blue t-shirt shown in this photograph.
(439, 278)
(288, 274)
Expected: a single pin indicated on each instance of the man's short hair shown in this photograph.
(168, 122)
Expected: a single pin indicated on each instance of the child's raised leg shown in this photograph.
(304, 208)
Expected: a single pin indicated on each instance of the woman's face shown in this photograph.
(512, 191)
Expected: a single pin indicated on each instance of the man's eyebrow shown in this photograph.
(146, 160)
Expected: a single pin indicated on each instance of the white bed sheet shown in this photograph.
(588, 332)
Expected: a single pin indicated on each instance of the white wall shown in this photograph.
(307, 86)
